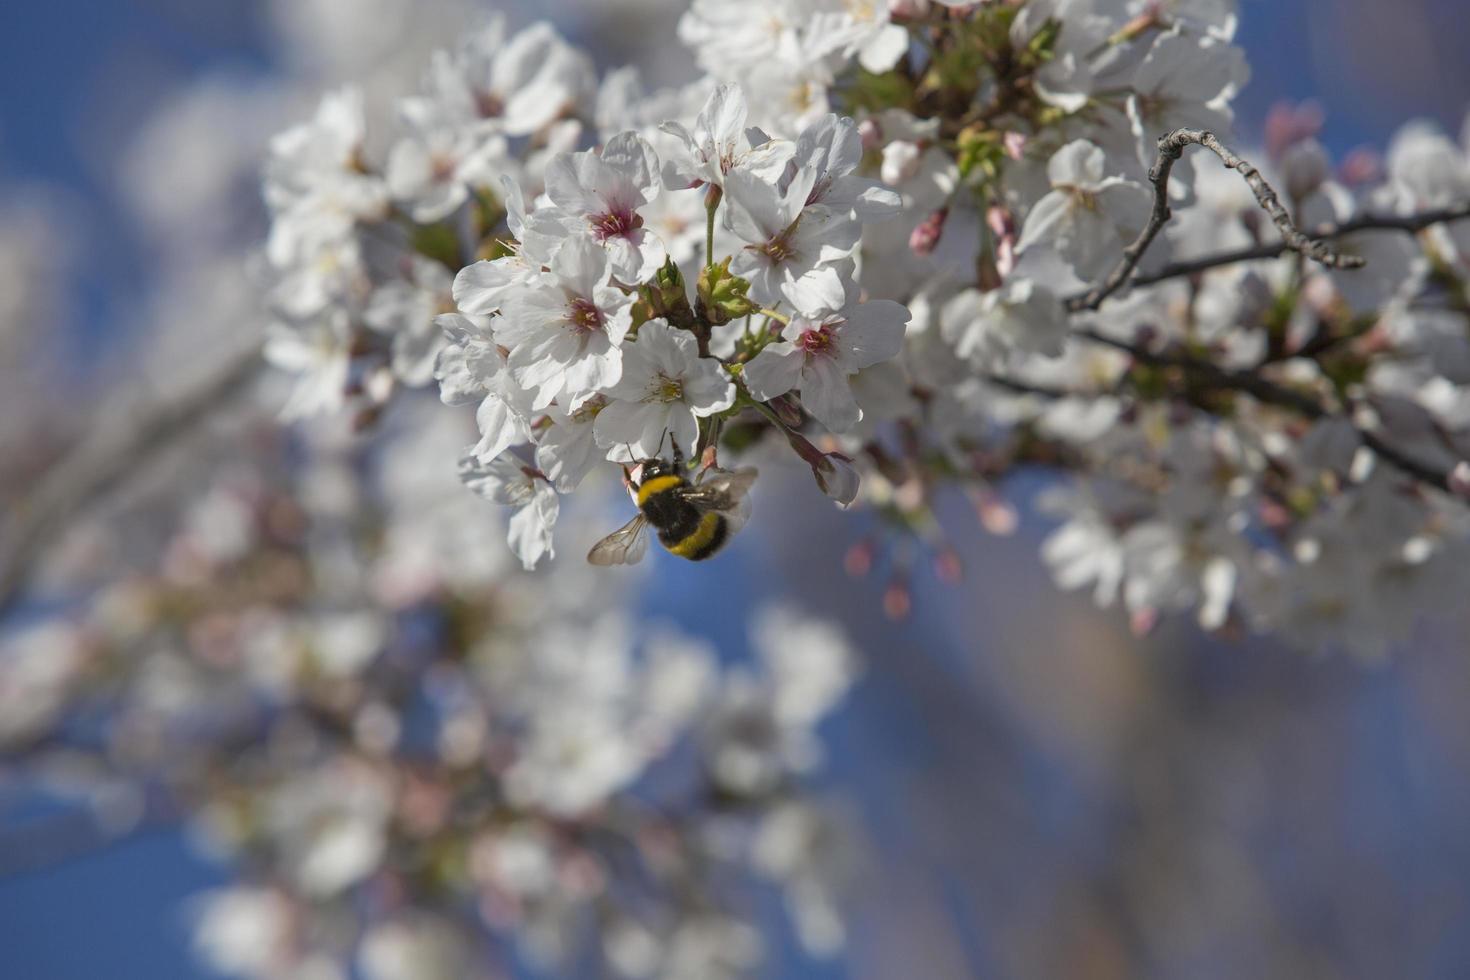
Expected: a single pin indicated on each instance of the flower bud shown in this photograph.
(858, 561)
(838, 478)
(871, 134)
(834, 472)
(898, 600)
(1003, 225)
(664, 298)
(1362, 166)
(925, 238)
(1305, 166)
(722, 294)
(1288, 124)
(900, 162)
(947, 566)
(787, 410)
(1014, 145)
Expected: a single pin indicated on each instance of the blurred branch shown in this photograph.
(1171, 148)
(1211, 375)
(119, 446)
(1407, 223)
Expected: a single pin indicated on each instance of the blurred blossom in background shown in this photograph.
(1011, 783)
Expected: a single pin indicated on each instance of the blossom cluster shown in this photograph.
(925, 245)
(420, 765)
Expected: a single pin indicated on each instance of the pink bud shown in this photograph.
(1362, 166)
(1014, 145)
(1003, 225)
(787, 409)
(871, 134)
(1287, 124)
(858, 561)
(1143, 621)
(925, 238)
(898, 601)
(948, 567)
(996, 514)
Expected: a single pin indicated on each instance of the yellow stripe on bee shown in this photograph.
(692, 545)
(657, 485)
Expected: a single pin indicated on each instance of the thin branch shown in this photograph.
(1406, 223)
(116, 448)
(1171, 148)
(1267, 392)
(1020, 386)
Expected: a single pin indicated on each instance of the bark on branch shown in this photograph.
(1171, 148)
(1404, 223)
(1249, 382)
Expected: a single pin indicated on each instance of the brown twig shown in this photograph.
(1171, 148)
(1270, 393)
(1406, 223)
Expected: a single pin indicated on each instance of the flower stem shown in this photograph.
(711, 208)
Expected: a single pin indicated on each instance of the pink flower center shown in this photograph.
(615, 224)
(818, 340)
(489, 105)
(778, 249)
(584, 316)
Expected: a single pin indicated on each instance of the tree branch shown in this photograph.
(1406, 223)
(1269, 393)
(1171, 148)
(102, 460)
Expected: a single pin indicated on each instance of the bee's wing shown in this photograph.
(625, 546)
(724, 491)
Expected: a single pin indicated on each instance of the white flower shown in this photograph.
(862, 28)
(832, 150)
(720, 143)
(1085, 550)
(516, 86)
(506, 480)
(819, 353)
(419, 948)
(809, 662)
(244, 931)
(901, 159)
(405, 310)
(314, 184)
(1185, 81)
(1089, 218)
(564, 327)
(1021, 316)
(567, 450)
(665, 389)
(319, 351)
(601, 195)
(433, 170)
(472, 369)
(786, 239)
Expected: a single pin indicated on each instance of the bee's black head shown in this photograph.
(646, 469)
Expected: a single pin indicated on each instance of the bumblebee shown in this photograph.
(693, 520)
